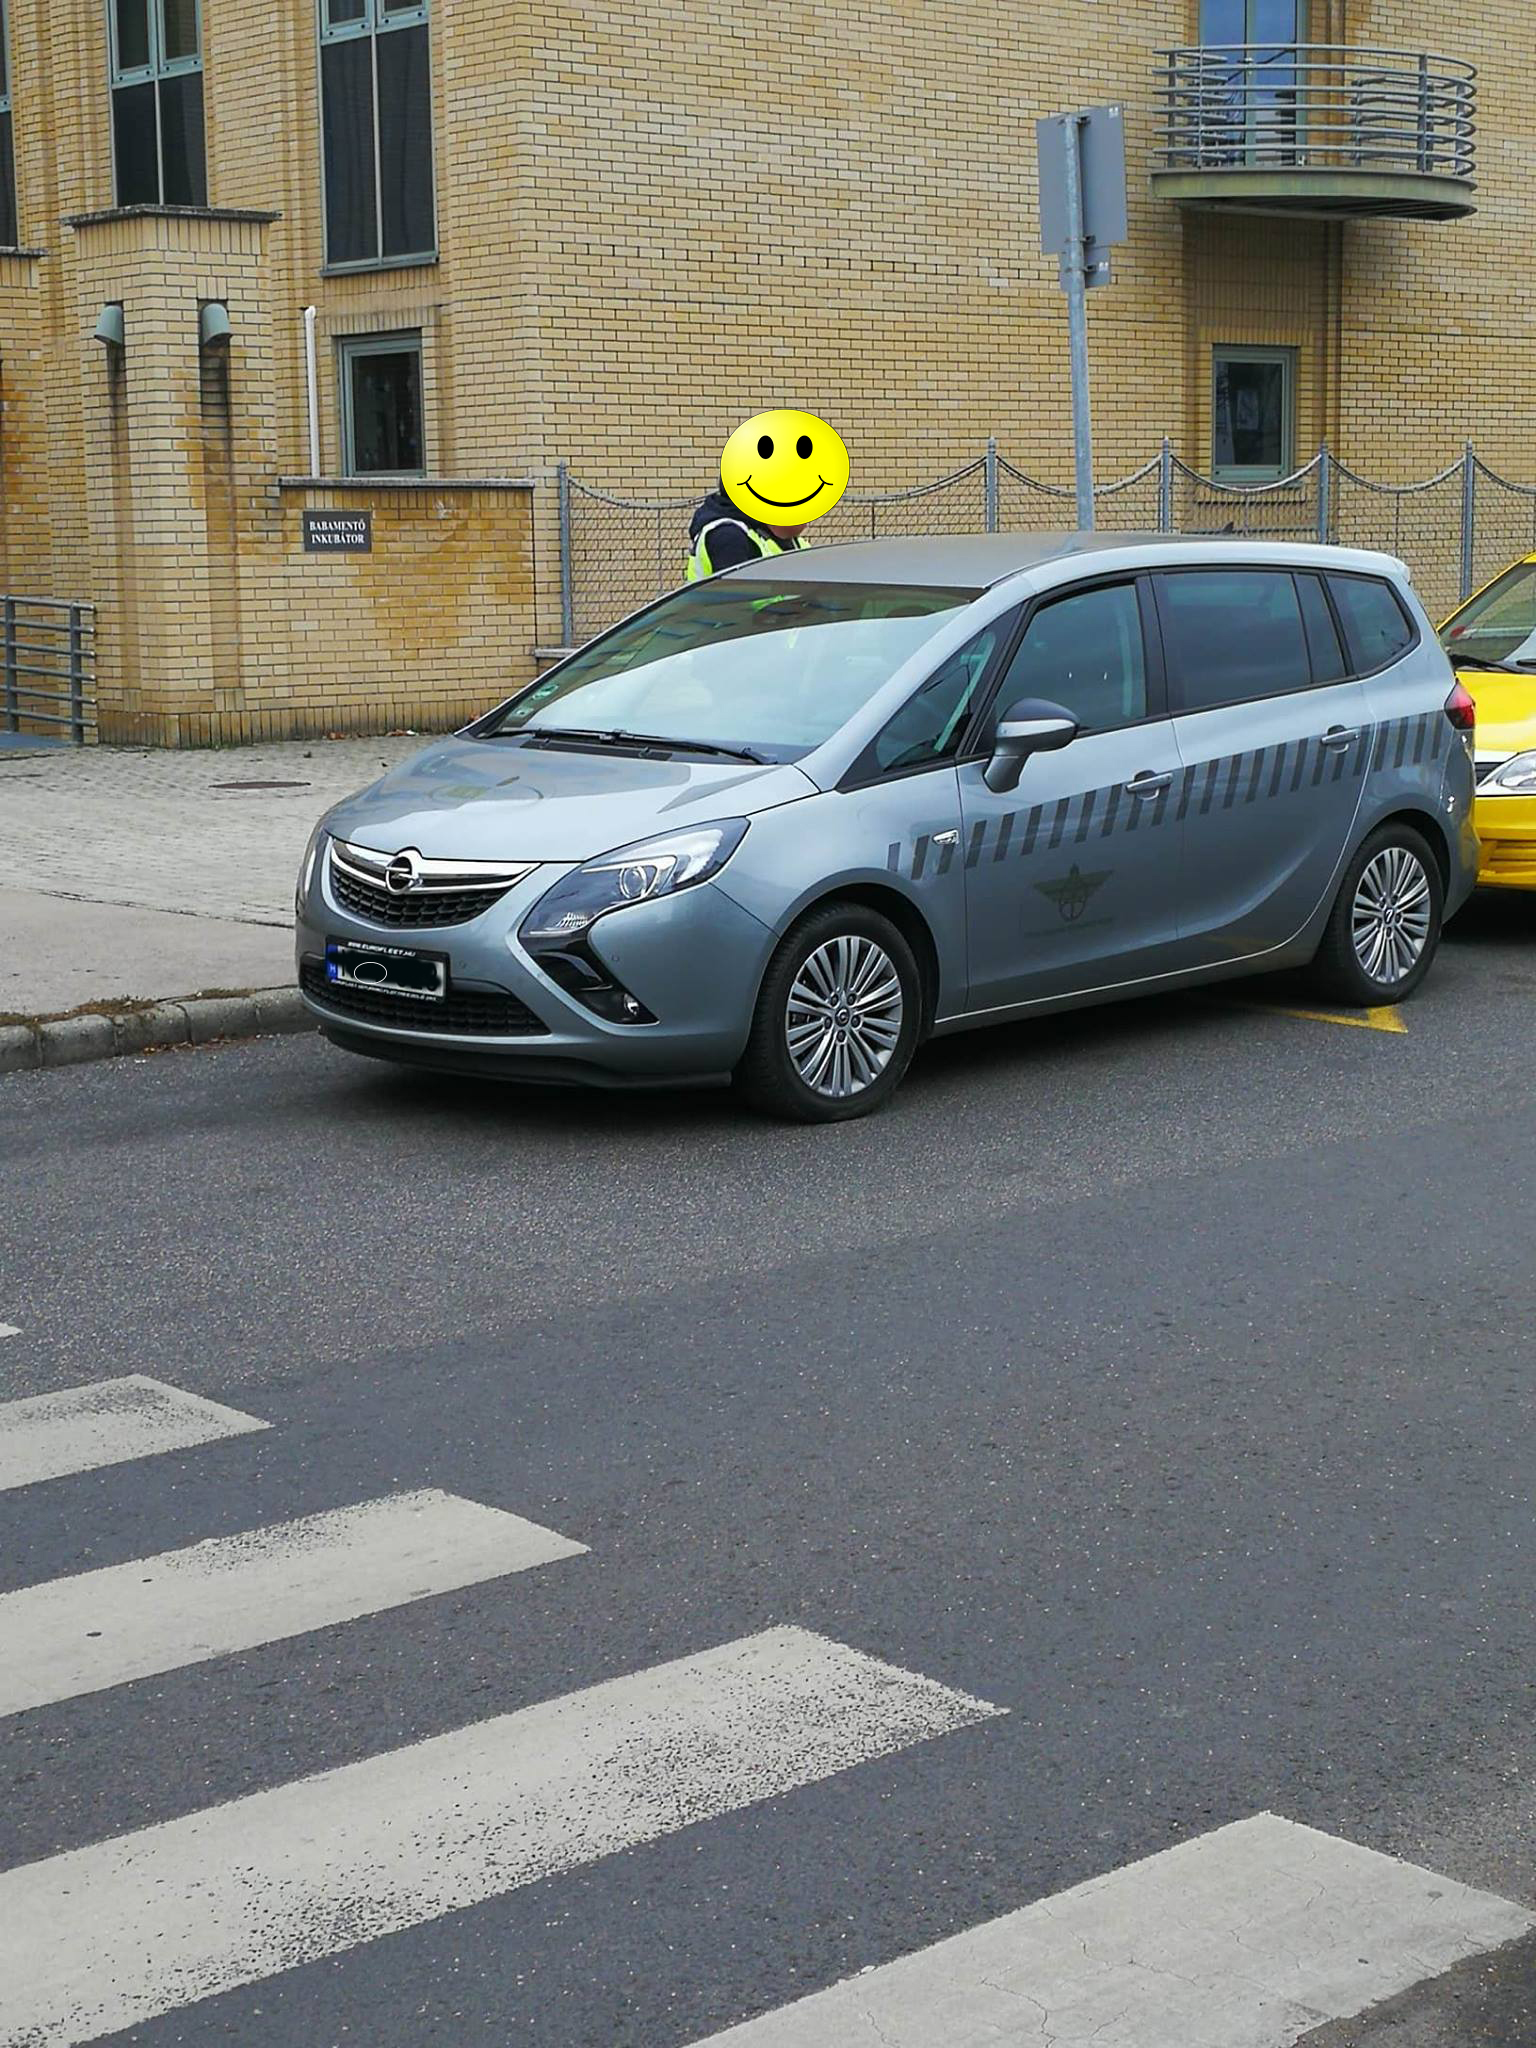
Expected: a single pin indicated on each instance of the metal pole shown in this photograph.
(1324, 492)
(991, 483)
(1165, 488)
(567, 603)
(11, 699)
(1468, 519)
(1074, 277)
(76, 677)
(312, 390)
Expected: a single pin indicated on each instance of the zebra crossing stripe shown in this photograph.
(128, 1621)
(106, 1423)
(105, 1937)
(1246, 1938)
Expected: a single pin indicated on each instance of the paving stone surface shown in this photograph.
(216, 833)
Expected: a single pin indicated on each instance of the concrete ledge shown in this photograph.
(69, 1041)
(381, 484)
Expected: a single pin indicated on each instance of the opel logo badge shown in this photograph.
(403, 873)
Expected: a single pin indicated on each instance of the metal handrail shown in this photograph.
(1327, 106)
(67, 661)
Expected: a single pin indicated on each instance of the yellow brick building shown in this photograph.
(533, 231)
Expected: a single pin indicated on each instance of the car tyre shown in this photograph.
(837, 1019)
(1384, 930)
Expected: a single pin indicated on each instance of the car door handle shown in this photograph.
(1148, 784)
(1340, 736)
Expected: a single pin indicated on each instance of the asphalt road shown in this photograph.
(1161, 1374)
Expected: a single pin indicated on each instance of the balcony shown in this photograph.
(1319, 130)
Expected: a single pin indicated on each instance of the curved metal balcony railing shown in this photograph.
(1319, 128)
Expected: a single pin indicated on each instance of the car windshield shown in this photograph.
(1500, 624)
(769, 668)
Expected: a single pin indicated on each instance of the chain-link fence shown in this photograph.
(1454, 530)
(616, 554)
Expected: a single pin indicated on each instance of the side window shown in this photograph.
(158, 153)
(930, 725)
(376, 132)
(1232, 635)
(1084, 652)
(1375, 624)
(1328, 663)
(381, 412)
(10, 233)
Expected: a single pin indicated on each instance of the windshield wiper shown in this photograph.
(616, 738)
(549, 732)
(656, 739)
(1508, 668)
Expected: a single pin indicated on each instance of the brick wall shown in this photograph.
(653, 221)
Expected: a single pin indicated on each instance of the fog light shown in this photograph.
(582, 975)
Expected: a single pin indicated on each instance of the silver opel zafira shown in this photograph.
(785, 824)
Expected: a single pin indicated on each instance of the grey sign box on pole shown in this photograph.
(1101, 145)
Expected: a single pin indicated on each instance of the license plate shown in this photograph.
(397, 970)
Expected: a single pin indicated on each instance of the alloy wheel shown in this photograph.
(1392, 913)
(843, 1019)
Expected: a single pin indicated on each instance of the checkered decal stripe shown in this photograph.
(1231, 782)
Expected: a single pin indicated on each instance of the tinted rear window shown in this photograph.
(1375, 625)
(1232, 635)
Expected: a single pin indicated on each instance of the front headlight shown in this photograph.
(631, 874)
(307, 869)
(1516, 777)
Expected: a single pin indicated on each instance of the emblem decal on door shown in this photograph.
(1073, 892)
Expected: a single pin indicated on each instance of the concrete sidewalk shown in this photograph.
(131, 877)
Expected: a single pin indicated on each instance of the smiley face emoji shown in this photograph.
(784, 468)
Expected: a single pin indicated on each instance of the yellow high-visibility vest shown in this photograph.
(699, 564)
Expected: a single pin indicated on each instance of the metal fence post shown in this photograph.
(9, 666)
(567, 603)
(1468, 519)
(1165, 488)
(76, 677)
(1324, 492)
(991, 483)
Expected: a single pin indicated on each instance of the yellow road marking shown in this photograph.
(1387, 1018)
(1384, 1019)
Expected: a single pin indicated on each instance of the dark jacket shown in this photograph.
(731, 544)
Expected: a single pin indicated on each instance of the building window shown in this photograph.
(1253, 21)
(376, 132)
(157, 102)
(1253, 415)
(381, 416)
(10, 232)
(1251, 88)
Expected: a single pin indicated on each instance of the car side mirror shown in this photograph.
(1031, 726)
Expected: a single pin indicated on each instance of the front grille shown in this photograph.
(1483, 769)
(475, 1013)
(441, 892)
(408, 913)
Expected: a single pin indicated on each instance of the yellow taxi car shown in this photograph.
(1491, 641)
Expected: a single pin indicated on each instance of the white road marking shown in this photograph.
(1245, 1938)
(106, 1423)
(104, 1937)
(102, 1628)
(8, 1330)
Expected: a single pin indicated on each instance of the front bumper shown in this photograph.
(1506, 829)
(695, 961)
